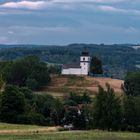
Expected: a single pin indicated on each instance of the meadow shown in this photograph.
(34, 132)
(75, 135)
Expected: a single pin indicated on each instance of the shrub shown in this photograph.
(33, 118)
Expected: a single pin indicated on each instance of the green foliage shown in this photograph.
(32, 83)
(55, 69)
(1, 82)
(29, 71)
(20, 105)
(33, 118)
(96, 65)
(12, 104)
(132, 113)
(132, 84)
(107, 110)
(75, 112)
(76, 99)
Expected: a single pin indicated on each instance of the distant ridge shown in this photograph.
(69, 45)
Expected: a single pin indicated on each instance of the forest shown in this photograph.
(117, 59)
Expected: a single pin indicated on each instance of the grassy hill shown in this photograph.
(62, 85)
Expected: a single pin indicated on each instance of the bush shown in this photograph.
(33, 118)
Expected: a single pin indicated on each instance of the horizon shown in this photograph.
(99, 44)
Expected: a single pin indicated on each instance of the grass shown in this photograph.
(62, 85)
(81, 135)
(33, 132)
(78, 81)
(6, 126)
(9, 129)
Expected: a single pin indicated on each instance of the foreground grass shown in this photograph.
(6, 126)
(15, 129)
(33, 132)
(81, 135)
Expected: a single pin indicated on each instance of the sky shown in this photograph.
(59, 22)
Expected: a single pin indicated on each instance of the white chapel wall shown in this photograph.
(75, 71)
(71, 71)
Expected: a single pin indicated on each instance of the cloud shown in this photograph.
(33, 30)
(24, 4)
(87, 1)
(39, 4)
(42, 4)
(111, 9)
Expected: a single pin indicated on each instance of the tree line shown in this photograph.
(107, 111)
(126, 58)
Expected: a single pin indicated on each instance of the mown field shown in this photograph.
(33, 132)
(62, 85)
(83, 135)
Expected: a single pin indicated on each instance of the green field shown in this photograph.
(6, 126)
(91, 135)
(33, 132)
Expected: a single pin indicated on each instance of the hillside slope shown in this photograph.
(62, 85)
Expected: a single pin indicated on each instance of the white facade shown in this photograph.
(83, 69)
(71, 71)
(85, 64)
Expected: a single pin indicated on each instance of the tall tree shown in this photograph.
(12, 104)
(107, 110)
(131, 113)
(132, 84)
(96, 65)
(1, 83)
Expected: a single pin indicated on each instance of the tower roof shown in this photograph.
(85, 52)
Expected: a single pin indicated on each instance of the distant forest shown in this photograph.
(117, 59)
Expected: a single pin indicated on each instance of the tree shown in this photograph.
(12, 104)
(1, 83)
(29, 71)
(131, 113)
(96, 65)
(107, 110)
(132, 84)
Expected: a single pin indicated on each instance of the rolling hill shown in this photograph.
(63, 85)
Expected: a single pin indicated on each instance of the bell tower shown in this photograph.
(85, 62)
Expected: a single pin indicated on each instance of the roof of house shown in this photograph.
(67, 66)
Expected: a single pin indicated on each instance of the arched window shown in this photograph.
(84, 59)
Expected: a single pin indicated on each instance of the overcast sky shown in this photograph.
(69, 21)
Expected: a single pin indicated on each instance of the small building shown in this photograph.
(82, 69)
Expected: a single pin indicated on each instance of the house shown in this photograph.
(82, 69)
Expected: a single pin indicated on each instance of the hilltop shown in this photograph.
(62, 85)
